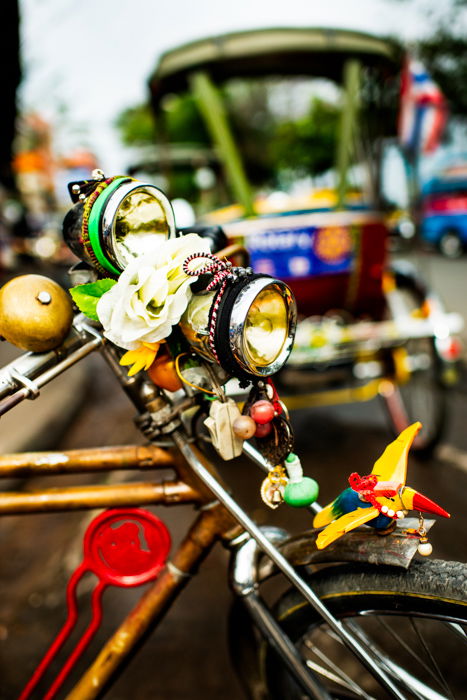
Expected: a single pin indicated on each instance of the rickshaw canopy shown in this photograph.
(288, 51)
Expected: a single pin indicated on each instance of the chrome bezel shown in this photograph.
(238, 316)
(110, 211)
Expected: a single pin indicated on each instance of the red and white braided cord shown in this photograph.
(222, 272)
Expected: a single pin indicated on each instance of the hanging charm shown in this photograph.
(301, 490)
(273, 486)
(273, 430)
(220, 423)
(279, 442)
(424, 547)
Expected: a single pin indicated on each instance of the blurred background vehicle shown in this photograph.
(303, 132)
(444, 211)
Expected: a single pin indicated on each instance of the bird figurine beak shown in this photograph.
(413, 500)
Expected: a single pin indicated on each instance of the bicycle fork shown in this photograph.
(262, 616)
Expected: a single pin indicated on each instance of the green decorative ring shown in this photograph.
(93, 224)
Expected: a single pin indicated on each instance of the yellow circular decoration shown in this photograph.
(332, 244)
(35, 313)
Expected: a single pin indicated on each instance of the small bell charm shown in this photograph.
(272, 488)
(276, 497)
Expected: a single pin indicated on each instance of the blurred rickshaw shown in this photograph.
(367, 327)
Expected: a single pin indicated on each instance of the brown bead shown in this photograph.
(244, 427)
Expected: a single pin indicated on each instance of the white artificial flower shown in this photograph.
(151, 294)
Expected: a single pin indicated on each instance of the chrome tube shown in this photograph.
(23, 377)
(364, 654)
(282, 644)
(243, 580)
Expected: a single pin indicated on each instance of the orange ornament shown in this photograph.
(163, 373)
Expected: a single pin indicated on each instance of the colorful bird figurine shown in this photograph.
(377, 499)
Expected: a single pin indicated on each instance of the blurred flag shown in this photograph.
(423, 109)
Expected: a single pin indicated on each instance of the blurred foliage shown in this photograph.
(307, 146)
(270, 146)
(136, 126)
(183, 123)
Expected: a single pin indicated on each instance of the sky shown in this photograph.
(84, 62)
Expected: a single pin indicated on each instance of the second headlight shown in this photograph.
(254, 330)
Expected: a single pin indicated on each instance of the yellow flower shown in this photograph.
(141, 358)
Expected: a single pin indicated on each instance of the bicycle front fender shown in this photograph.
(363, 545)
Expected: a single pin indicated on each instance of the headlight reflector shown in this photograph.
(266, 327)
(135, 219)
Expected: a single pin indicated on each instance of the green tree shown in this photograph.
(136, 126)
(307, 146)
(182, 123)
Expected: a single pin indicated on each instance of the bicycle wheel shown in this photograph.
(421, 395)
(414, 620)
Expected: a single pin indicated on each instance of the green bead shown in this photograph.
(302, 493)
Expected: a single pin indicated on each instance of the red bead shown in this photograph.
(263, 430)
(262, 411)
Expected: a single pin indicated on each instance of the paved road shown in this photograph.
(187, 657)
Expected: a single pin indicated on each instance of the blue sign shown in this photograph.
(301, 252)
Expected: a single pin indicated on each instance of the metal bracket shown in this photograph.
(33, 390)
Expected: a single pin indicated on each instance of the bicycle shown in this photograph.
(281, 650)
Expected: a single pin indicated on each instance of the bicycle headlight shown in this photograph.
(254, 330)
(118, 219)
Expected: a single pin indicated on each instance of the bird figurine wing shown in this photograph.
(392, 465)
(344, 524)
(326, 515)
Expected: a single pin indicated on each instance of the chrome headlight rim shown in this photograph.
(100, 238)
(232, 315)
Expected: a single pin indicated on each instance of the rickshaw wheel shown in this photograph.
(419, 394)
(450, 245)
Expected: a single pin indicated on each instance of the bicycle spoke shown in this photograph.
(416, 687)
(428, 652)
(458, 630)
(337, 675)
(405, 646)
(411, 683)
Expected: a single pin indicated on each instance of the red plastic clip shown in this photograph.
(275, 397)
(122, 547)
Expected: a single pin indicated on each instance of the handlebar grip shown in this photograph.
(214, 234)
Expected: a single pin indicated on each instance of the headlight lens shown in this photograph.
(266, 327)
(120, 219)
(255, 328)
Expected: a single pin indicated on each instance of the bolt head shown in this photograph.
(44, 297)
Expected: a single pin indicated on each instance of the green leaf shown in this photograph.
(86, 296)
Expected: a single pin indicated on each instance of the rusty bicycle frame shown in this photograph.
(196, 483)
(212, 523)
